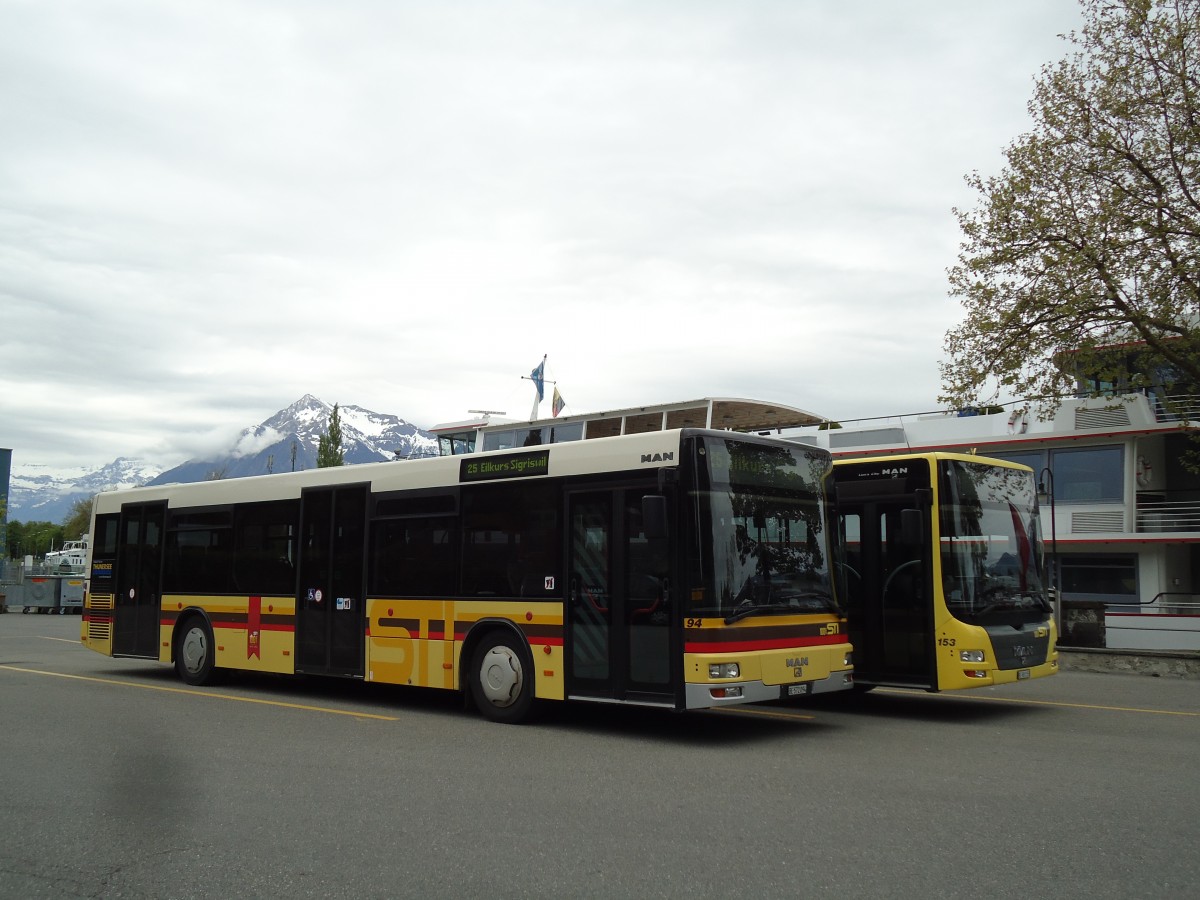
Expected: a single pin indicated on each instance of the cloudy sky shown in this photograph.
(208, 210)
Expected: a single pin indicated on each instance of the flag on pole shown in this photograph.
(539, 379)
(557, 404)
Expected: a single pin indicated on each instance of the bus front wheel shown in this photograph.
(502, 679)
(194, 652)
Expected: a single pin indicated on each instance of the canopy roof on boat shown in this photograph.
(722, 413)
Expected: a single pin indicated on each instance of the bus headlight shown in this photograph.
(724, 670)
(848, 659)
(975, 656)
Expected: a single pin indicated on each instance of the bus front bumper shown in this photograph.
(708, 696)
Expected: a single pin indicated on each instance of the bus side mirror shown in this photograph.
(654, 516)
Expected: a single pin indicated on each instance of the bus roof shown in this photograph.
(629, 453)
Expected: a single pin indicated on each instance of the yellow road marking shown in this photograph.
(194, 693)
(1137, 709)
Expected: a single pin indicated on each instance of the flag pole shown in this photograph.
(538, 377)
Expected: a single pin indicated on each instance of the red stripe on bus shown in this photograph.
(776, 644)
(235, 626)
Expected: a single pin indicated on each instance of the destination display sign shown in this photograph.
(493, 466)
(744, 464)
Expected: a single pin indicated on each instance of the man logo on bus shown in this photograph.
(658, 457)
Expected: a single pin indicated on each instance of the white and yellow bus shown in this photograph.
(684, 568)
(944, 571)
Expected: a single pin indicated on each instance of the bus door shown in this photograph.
(137, 594)
(619, 601)
(889, 600)
(331, 596)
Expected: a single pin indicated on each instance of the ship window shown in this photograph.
(455, 444)
(1081, 475)
(1110, 579)
(1088, 475)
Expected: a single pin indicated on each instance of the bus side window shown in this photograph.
(510, 535)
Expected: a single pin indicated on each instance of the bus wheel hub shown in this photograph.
(500, 676)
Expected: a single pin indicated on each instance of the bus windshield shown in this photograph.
(763, 509)
(991, 546)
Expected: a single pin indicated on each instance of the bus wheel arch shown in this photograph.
(194, 650)
(499, 673)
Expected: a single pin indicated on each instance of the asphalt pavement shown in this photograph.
(119, 781)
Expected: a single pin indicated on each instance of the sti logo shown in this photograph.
(658, 457)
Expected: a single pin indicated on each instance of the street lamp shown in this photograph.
(1045, 491)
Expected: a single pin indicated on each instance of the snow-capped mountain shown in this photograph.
(287, 442)
(37, 493)
(41, 494)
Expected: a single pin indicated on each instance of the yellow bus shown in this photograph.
(684, 569)
(944, 571)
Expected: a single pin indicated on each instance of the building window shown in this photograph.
(1103, 578)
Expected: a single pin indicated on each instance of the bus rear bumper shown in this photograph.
(709, 696)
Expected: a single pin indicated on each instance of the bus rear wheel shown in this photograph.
(194, 653)
(502, 679)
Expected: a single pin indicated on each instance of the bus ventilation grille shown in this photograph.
(99, 631)
(101, 601)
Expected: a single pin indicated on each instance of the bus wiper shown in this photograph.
(825, 598)
(791, 604)
(1035, 599)
(751, 609)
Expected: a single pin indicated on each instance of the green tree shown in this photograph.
(33, 538)
(329, 445)
(1090, 237)
(79, 519)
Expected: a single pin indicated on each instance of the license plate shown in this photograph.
(1022, 674)
(797, 690)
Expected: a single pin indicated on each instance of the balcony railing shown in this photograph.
(1160, 515)
(1178, 602)
(1175, 407)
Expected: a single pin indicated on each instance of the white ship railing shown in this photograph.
(1158, 516)
(1175, 407)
